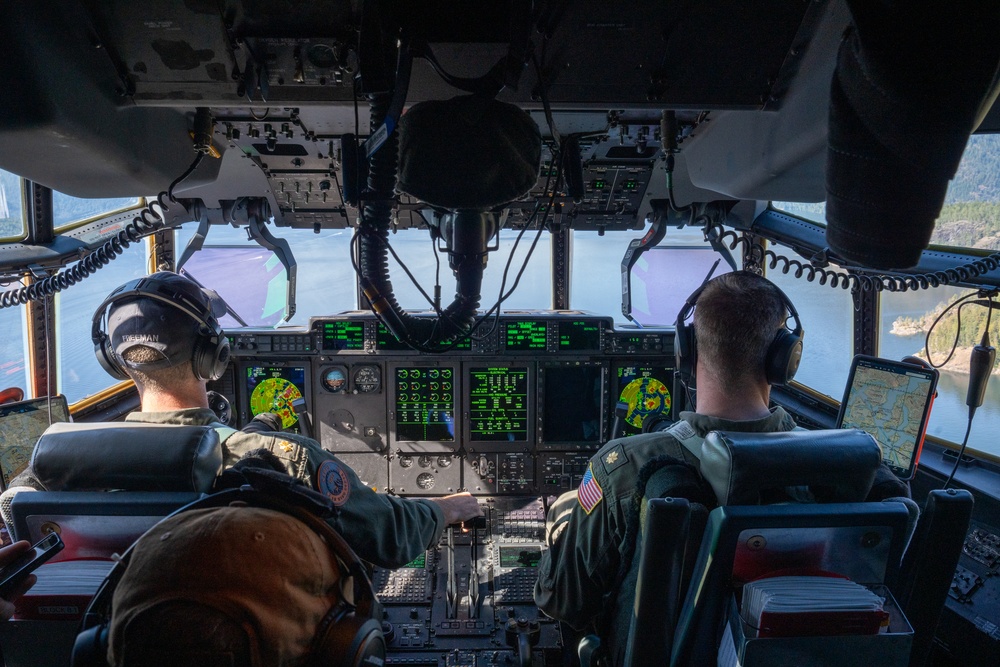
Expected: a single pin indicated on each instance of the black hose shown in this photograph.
(373, 256)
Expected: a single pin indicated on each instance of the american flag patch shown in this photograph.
(589, 493)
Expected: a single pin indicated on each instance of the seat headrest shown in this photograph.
(838, 465)
(127, 456)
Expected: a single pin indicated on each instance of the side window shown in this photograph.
(80, 375)
(969, 218)
(69, 211)
(13, 346)
(827, 336)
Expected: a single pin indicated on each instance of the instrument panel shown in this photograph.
(512, 415)
(514, 411)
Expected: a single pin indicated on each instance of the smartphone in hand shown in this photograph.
(15, 572)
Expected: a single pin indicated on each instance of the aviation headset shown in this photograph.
(211, 349)
(783, 355)
(347, 636)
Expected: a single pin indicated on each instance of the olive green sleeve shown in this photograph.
(581, 562)
(384, 530)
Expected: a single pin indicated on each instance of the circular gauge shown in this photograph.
(276, 395)
(426, 481)
(367, 379)
(335, 379)
(405, 461)
(646, 397)
(444, 461)
(424, 461)
(323, 56)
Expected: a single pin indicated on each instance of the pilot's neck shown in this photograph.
(734, 403)
(179, 398)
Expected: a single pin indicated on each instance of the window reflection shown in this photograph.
(325, 277)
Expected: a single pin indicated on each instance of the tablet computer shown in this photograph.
(891, 400)
(21, 425)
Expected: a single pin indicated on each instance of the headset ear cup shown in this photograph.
(350, 641)
(108, 360)
(783, 357)
(211, 354)
(685, 350)
(91, 648)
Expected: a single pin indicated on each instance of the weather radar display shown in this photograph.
(276, 390)
(644, 392)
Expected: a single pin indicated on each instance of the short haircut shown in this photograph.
(158, 379)
(736, 318)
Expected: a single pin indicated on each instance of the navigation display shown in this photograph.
(425, 404)
(498, 403)
(277, 389)
(891, 400)
(645, 389)
(527, 556)
(21, 425)
(572, 397)
(580, 335)
(343, 335)
(524, 335)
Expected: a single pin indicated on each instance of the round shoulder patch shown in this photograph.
(332, 481)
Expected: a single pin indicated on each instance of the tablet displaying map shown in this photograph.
(21, 425)
(891, 400)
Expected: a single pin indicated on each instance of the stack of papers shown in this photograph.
(811, 606)
(63, 590)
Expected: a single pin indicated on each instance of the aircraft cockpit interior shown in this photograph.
(452, 240)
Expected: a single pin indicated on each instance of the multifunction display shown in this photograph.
(425, 404)
(498, 403)
(525, 335)
(645, 391)
(343, 335)
(279, 390)
(579, 335)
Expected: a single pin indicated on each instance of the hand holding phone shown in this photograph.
(22, 562)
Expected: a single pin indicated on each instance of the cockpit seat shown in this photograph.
(105, 484)
(803, 491)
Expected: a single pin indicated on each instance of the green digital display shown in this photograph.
(418, 563)
(343, 335)
(498, 403)
(525, 335)
(520, 556)
(579, 335)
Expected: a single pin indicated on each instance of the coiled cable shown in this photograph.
(858, 279)
(146, 221)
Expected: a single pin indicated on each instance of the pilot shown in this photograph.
(163, 348)
(736, 319)
(9, 554)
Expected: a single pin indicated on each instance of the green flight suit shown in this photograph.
(384, 530)
(578, 571)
